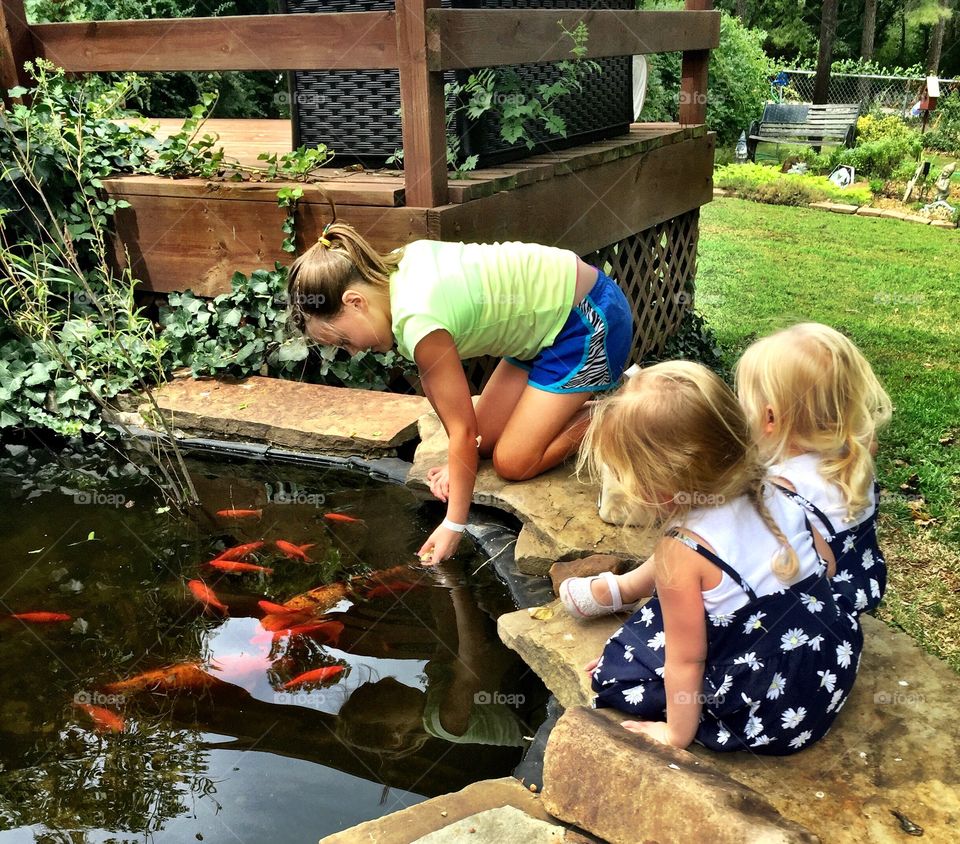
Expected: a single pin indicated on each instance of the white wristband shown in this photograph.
(453, 526)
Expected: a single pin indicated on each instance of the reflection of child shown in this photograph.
(562, 328)
(822, 446)
(743, 645)
(461, 704)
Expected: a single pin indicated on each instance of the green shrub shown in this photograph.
(879, 158)
(738, 84)
(768, 184)
(873, 127)
(944, 134)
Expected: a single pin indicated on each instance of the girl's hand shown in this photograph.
(441, 545)
(657, 730)
(590, 666)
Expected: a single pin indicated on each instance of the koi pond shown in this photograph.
(272, 666)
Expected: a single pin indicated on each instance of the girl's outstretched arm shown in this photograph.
(678, 580)
(445, 385)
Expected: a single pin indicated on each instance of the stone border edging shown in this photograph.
(858, 210)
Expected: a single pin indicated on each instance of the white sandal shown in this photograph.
(577, 597)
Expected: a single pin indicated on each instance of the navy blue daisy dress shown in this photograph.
(781, 658)
(861, 576)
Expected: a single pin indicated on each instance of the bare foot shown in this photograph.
(439, 480)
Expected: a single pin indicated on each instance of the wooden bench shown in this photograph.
(804, 123)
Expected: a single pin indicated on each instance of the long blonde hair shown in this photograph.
(825, 399)
(676, 439)
(340, 258)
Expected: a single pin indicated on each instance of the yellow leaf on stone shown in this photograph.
(541, 613)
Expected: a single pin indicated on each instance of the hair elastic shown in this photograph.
(323, 240)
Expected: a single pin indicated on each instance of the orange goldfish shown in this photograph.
(340, 517)
(318, 675)
(206, 596)
(321, 598)
(295, 552)
(41, 617)
(238, 551)
(183, 675)
(271, 607)
(391, 590)
(327, 631)
(233, 567)
(240, 514)
(105, 720)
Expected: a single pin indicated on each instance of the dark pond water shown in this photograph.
(224, 740)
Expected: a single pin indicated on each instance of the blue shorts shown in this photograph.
(590, 352)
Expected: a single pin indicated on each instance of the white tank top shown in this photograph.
(803, 471)
(739, 537)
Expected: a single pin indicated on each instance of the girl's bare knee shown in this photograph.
(514, 465)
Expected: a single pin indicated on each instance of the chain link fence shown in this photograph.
(893, 94)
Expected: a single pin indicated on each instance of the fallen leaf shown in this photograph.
(541, 613)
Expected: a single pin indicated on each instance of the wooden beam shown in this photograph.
(351, 40)
(610, 201)
(468, 38)
(693, 73)
(16, 45)
(423, 110)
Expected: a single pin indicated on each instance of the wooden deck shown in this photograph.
(193, 233)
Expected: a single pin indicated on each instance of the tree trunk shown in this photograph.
(828, 32)
(740, 10)
(936, 41)
(869, 28)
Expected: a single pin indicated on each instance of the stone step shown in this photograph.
(893, 748)
(291, 414)
(441, 819)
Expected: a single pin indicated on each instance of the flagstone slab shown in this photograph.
(448, 810)
(558, 512)
(305, 417)
(893, 748)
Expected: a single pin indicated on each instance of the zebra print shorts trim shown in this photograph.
(590, 352)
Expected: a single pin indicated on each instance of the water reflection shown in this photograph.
(426, 702)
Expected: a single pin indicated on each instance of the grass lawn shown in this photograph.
(894, 288)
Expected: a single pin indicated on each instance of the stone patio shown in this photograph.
(894, 747)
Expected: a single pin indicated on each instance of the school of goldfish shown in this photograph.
(300, 618)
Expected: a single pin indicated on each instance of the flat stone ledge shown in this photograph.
(894, 746)
(867, 211)
(627, 788)
(305, 417)
(835, 207)
(942, 224)
(559, 513)
(415, 822)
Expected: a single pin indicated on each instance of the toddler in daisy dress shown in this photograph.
(822, 447)
(742, 645)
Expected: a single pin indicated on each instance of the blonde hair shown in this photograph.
(676, 439)
(825, 399)
(341, 257)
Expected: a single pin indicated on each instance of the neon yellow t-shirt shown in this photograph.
(494, 298)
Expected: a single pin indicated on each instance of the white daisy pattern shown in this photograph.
(843, 577)
(749, 659)
(657, 642)
(844, 652)
(801, 739)
(861, 600)
(724, 687)
(646, 616)
(868, 560)
(721, 619)
(760, 741)
(777, 686)
(874, 588)
(793, 638)
(811, 602)
(628, 653)
(659, 671)
(827, 680)
(791, 718)
(754, 622)
(754, 727)
(753, 704)
(634, 694)
(837, 697)
(723, 735)
(815, 642)
(848, 544)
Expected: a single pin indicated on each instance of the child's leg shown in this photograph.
(542, 431)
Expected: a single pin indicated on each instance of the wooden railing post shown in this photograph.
(422, 109)
(16, 45)
(693, 76)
